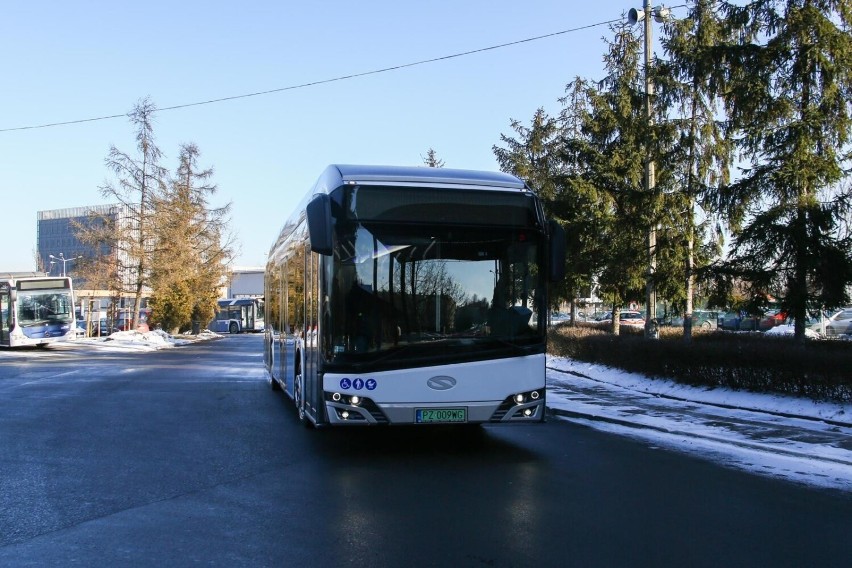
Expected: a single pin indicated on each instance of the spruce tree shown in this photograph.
(535, 157)
(688, 84)
(432, 160)
(787, 92)
(617, 135)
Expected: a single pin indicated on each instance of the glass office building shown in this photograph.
(57, 235)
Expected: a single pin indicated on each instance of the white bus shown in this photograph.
(412, 296)
(36, 311)
(238, 315)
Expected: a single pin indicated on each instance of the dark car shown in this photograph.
(701, 319)
(96, 329)
(736, 321)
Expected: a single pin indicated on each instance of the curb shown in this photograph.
(829, 421)
(558, 412)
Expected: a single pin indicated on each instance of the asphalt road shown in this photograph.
(186, 457)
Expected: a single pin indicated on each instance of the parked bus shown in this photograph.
(36, 311)
(412, 296)
(236, 315)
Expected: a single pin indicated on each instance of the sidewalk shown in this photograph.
(800, 440)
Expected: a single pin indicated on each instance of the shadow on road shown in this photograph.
(415, 443)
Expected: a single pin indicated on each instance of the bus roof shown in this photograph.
(418, 175)
(337, 175)
(236, 302)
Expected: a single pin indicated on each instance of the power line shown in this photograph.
(322, 81)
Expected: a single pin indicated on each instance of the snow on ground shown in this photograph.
(135, 341)
(800, 440)
(772, 403)
(786, 329)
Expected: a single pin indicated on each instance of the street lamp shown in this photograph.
(634, 16)
(61, 258)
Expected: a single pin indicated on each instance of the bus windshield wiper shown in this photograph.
(34, 323)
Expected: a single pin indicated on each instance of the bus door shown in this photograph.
(313, 388)
(5, 315)
(248, 324)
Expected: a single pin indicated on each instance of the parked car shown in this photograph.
(771, 319)
(701, 319)
(734, 321)
(96, 329)
(840, 323)
(559, 317)
(123, 322)
(80, 330)
(627, 317)
(631, 318)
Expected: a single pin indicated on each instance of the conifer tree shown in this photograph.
(788, 87)
(431, 160)
(616, 136)
(688, 84)
(535, 157)
(192, 249)
(585, 210)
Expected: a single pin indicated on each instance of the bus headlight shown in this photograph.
(355, 400)
(519, 398)
(336, 397)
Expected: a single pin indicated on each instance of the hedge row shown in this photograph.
(820, 370)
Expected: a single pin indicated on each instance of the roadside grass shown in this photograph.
(819, 370)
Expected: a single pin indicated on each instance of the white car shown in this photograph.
(840, 323)
(631, 318)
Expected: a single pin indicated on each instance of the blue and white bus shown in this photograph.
(238, 315)
(36, 311)
(412, 296)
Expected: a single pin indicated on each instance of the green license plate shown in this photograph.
(442, 415)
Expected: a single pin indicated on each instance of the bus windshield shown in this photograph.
(402, 292)
(40, 307)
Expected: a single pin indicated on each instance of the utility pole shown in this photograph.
(660, 14)
(651, 329)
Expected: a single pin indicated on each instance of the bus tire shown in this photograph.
(233, 328)
(298, 397)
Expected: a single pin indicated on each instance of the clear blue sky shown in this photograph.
(65, 61)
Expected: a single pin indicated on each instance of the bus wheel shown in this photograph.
(233, 328)
(298, 397)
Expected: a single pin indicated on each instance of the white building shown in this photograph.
(244, 282)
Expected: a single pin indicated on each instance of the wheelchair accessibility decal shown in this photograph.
(358, 384)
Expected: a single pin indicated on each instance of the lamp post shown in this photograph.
(634, 16)
(61, 258)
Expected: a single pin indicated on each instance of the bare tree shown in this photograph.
(139, 180)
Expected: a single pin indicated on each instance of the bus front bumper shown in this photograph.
(364, 411)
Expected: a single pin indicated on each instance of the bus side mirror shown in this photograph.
(319, 224)
(557, 251)
(13, 295)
